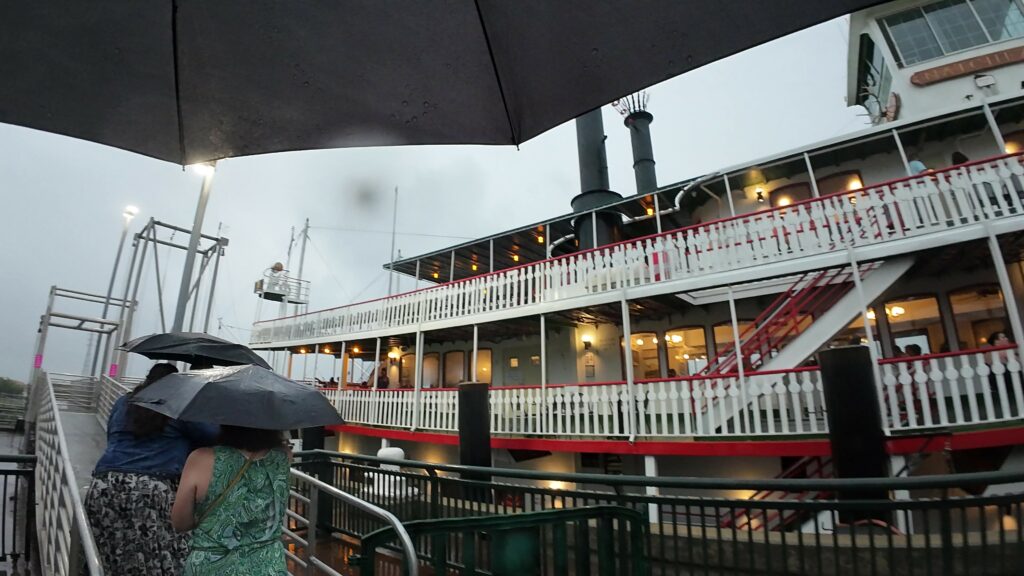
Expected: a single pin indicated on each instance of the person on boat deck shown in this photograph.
(134, 483)
(233, 498)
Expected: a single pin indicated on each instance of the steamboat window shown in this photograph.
(874, 81)
(407, 370)
(644, 351)
(454, 367)
(687, 351)
(950, 26)
(916, 321)
(483, 366)
(979, 311)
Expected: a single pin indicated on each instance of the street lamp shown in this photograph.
(206, 170)
(128, 214)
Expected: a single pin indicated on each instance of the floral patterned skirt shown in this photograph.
(130, 515)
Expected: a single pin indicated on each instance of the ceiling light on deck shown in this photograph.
(355, 349)
(540, 239)
(871, 314)
(472, 267)
(326, 350)
(897, 311)
(435, 274)
(650, 211)
(302, 350)
(515, 257)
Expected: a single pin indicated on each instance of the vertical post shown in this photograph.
(110, 286)
(417, 381)
(305, 363)
(1007, 288)
(417, 287)
(129, 318)
(903, 153)
(302, 247)
(476, 352)
(627, 341)
(810, 175)
(547, 240)
(312, 519)
(993, 125)
(316, 362)
(376, 364)
(738, 347)
(651, 471)
(394, 223)
(728, 195)
(451, 268)
(343, 377)
(490, 261)
(44, 329)
(213, 283)
(190, 255)
(290, 359)
(868, 332)
(542, 417)
(124, 334)
(657, 213)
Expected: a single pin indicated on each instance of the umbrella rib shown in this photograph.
(177, 82)
(497, 76)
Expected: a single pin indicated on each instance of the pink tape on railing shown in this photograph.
(38, 362)
(113, 371)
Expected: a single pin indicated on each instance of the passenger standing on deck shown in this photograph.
(134, 483)
(233, 498)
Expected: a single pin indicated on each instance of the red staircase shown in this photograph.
(761, 519)
(782, 320)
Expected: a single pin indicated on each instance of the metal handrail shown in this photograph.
(88, 543)
(411, 558)
(792, 485)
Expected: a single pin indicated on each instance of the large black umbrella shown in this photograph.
(193, 348)
(247, 396)
(193, 80)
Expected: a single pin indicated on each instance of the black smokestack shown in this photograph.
(593, 157)
(638, 120)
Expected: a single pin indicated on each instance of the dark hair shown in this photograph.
(250, 439)
(959, 157)
(995, 336)
(142, 421)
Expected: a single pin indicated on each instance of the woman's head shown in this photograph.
(250, 439)
(143, 422)
(999, 338)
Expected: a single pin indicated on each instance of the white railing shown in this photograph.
(962, 389)
(62, 528)
(953, 389)
(109, 391)
(74, 392)
(972, 193)
(786, 402)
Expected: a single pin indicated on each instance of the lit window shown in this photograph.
(914, 322)
(644, 350)
(687, 351)
(454, 367)
(979, 312)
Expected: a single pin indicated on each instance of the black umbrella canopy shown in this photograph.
(247, 396)
(191, 80)
(193, 348)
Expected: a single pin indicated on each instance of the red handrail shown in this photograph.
(946, 354)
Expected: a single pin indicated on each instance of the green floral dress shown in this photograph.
(241, 536)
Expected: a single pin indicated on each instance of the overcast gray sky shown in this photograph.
(62, 198)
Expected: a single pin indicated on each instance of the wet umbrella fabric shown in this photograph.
(247, 396)
(191, 80)
(193, 348)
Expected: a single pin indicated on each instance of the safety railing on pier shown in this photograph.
(928, 525)
(62, 529)
(975, 193)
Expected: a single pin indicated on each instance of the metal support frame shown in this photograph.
(190, 255)
(103, 327)
(728, 195)
(903, 153)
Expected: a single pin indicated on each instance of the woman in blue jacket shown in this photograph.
(134, 484)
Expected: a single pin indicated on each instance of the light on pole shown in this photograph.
(127, 215)
(207, 170)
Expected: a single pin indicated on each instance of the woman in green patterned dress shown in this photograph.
(233, 498)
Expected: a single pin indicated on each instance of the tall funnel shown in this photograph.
(593, 158)
(638, 120)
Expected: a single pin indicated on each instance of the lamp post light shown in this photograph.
(127, 215)
(206, 170)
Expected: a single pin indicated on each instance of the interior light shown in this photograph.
(854, 184)
(394, 354)
(1012, 147)
(897, 311)
(686, 356)
(871, 313)
(784, 201)
(302, 350)
(676, 338)
(327, 350)
(639, 341)
(355, 349)
(556, 485)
